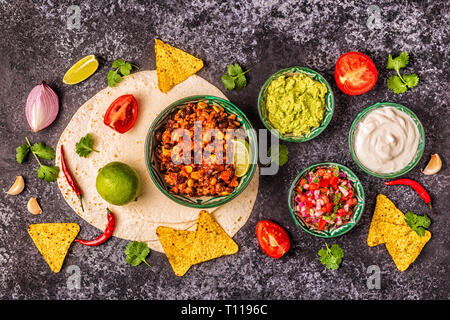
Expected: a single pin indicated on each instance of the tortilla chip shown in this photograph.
(186, 248)
(211, 241)
(406, 249)
(53, 241)
(385, 218)
(173, 65)
(177, 245)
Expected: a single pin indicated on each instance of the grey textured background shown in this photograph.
(265, 35)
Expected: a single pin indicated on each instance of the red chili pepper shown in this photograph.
(105, 235)
(416, 186)
(73, 184)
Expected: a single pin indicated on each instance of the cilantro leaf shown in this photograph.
(228, 82)
(396, 84)
(22, 152)
(399, 83)
(279, 156)
(119, 65)
(85, 146)
(417, 223)
(411, 80)
(48, 173)
(43, 151)
(399, 62)
(235, 77)
(136, 253)
(331, 257)
(234, 69)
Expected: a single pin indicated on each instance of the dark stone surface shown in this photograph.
(266, 36)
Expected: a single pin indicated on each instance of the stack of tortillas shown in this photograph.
(139, 219)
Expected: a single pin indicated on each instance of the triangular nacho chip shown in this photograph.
(177, 245)
(186, 248)
(386, 215)
(211, 241)
(406, 249)
(173, 65)
(53, 241)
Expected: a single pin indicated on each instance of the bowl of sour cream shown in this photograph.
(386, 140)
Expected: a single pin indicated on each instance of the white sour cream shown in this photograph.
(386, 140)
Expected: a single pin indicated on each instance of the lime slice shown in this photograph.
(81, 70)
(241, 157)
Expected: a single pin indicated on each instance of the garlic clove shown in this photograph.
(17, 187)
(434, 165)
(33, 206)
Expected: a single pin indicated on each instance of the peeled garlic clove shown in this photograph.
(17, 187)
(33, 206)
(434, 165)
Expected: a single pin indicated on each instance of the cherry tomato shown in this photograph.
(272, 238)
(355, 73)
(122, 113)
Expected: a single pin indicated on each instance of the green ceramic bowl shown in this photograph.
(420, 147)
(200, 202)
(335, 232)
(329, 98)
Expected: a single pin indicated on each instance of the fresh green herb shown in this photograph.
(399, 83)
(417, 223)
(85, 146)
(235, 77)
(278, 156)
(22, 152)
(136, 253)
(39, 150)
(48, 173)
(331, 257)
(121, 68)
(43, 151)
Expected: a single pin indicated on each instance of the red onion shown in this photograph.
(42, 107)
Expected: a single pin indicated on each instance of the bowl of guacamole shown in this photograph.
(296, 104)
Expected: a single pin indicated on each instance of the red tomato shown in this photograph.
(334, 182)
(355, 73)
(329, 207)
(324, 183)
(313, 186)
(272, 238)
(122, 113)
(322, 224)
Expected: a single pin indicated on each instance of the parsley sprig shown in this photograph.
(39, 150)
(121, 68)
(235, 77)
(417, 223)
(85, 146)
(400, 83)
(331, 257)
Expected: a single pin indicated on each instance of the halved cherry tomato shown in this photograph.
(355, 73)
(122, 113)
(272, 238)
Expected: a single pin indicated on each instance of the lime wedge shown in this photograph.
(81, 70)
(241, 157)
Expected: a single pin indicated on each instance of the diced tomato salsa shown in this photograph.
(325, 198)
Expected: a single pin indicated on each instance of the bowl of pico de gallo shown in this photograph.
(326, 200)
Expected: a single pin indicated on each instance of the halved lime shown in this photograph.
(241, 157)
(81, 70)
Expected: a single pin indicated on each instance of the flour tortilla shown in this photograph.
(139, 219)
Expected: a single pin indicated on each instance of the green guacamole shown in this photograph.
(295, 104)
